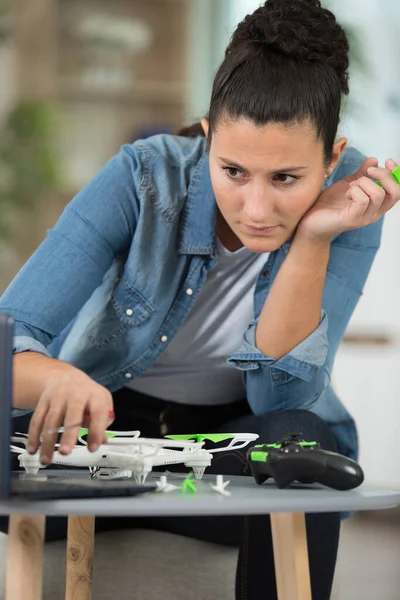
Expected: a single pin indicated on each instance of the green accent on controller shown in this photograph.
(83, 431)
(279, 446)
(396, 175)
(258, 456)
(200, 437)
(276, 446)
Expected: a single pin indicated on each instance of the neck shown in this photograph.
(226, 236)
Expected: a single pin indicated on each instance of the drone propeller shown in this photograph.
(214, 437)
(237, 440)
(200, 437)
(110, 435)
(18, 439)
(154, 442)
(21, 440)
(17, 449)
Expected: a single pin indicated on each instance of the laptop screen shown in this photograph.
(6, 354)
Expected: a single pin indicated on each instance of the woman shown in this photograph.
(205, 283)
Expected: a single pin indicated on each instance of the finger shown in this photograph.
(359, 206)
(99, 420)
(389, 204)
(54, 420)
(36, 425)
(74, 414)
(363, 170)
(391, 164)
(387, 181)
(375, 193)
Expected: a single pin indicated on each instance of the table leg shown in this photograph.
(80, 550)
(25, 548)
(291, 556)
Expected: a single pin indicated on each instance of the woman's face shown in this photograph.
(265, 178)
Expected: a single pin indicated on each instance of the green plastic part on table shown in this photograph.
(396, 175)
(200, 437)
(188, 484)
(83, 432)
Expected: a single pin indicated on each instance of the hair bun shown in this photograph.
(298, 29)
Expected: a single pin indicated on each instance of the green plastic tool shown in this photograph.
(396, 175)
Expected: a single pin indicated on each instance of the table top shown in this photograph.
(246, 498)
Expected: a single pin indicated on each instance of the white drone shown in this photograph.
(127, 454)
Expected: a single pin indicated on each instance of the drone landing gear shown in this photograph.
(32, 470)
(140, 476)
(198, 472)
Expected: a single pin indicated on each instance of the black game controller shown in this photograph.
(294, 459)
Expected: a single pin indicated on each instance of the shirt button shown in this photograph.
(189, 292)
(128, 375)
(129, 312)
(164, 339)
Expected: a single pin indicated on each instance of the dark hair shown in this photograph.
(285, 63)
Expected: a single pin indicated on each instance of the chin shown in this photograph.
(263, 244)
(261, 247)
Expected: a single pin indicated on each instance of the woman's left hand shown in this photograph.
(352, 202)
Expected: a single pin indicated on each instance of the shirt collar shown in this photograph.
(199, 216)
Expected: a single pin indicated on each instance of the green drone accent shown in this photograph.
(396, 175)
(83, 432)
(188, 484)
(200, 437)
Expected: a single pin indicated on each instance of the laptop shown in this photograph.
(49, 484)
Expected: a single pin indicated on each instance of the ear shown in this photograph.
(337, 151)
(205, 125)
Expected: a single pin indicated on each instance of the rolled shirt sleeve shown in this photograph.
(299, 379)
(302, 361)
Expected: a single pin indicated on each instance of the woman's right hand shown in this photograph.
(67, 397)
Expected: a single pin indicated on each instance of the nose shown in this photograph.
(257, 207)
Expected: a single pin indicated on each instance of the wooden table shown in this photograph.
(286, 507)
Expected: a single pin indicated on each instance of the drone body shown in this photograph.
(127, 454)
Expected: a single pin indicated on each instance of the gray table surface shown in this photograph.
(246, 498)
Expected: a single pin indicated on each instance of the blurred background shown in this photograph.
(78, 78)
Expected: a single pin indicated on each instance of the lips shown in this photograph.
(260, 230)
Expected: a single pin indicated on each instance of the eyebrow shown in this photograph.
(276, 172)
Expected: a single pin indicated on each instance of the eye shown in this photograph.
(233, 172)
(286, 179)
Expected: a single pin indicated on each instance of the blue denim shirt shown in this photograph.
(116, 277)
